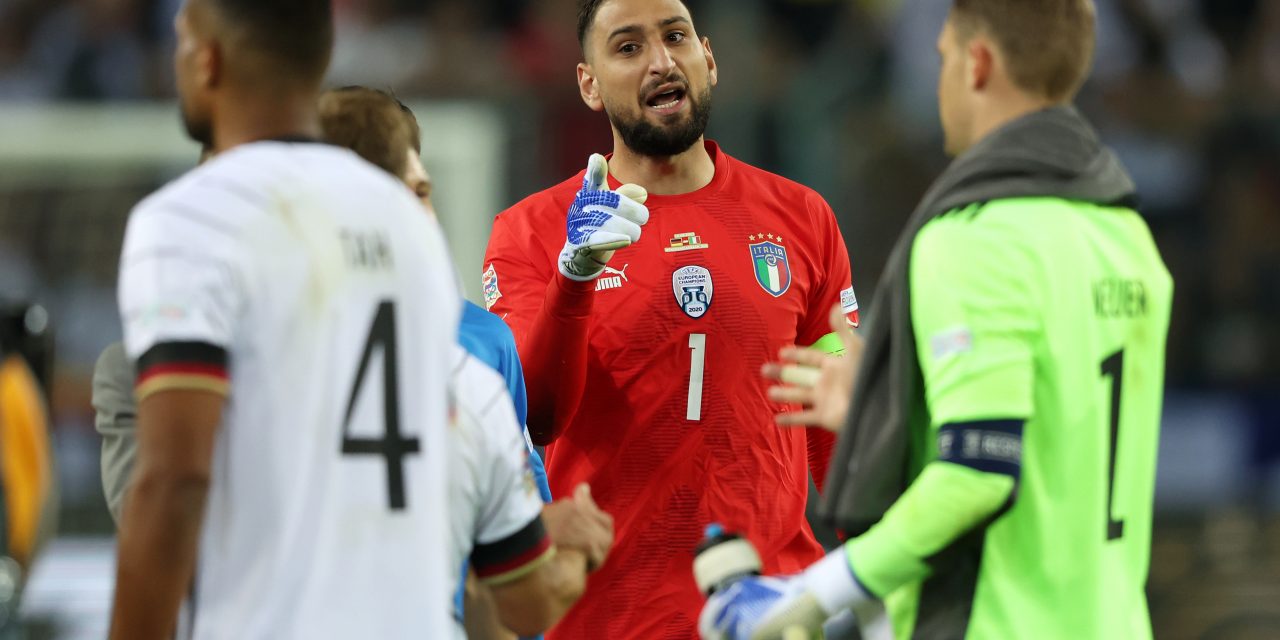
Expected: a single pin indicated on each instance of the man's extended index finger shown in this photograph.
(597, 176)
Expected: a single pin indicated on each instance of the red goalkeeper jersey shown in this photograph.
(673, 429)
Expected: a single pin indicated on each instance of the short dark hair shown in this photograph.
(415, 132)
(587, 11)
(372, 123)
(298, 34)
(1047, 44)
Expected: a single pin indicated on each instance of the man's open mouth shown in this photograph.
(667, 98)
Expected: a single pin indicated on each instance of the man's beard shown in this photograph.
(200, 130)
(658, 141)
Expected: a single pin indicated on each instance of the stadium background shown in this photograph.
(837, 94)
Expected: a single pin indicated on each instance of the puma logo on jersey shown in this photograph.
(622, 273)
(612, 281)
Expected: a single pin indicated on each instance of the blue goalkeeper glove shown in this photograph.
(771, 608)
(600, 221)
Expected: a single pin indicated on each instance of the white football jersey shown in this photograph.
(311, 287)
(493, 500)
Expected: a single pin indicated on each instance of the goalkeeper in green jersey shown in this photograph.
(997, 461)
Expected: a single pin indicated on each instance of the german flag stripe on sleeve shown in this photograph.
(513, 557)
(196, 366)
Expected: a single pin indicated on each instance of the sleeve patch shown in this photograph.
(489, 283)
(993, 446)
(514, 556)
(949, 342)
(849, 306)
(182, 365)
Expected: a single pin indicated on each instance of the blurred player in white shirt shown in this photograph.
(495, 510)
(293, 318)
(525, 583)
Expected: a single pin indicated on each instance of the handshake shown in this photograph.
(600, 221)
(576, 523)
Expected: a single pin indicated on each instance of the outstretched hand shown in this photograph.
(600, 221)
(821, 383)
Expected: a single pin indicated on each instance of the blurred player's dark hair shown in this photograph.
(587, 10)
(1048, 44)
(373, 123)
(296, 34)
(415, 132)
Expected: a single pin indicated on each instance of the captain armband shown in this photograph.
(991, 446)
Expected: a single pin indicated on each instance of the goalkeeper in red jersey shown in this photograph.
(642, 351)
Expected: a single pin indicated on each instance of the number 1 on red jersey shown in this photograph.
(697, 363)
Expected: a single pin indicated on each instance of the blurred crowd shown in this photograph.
(836, 93)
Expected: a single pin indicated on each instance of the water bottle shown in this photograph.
(722, 559)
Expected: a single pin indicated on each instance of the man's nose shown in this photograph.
(660, 61)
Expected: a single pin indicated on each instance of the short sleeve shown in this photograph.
(973, 310)
(832, 280)
(510, 539)
(116, 421)
(179, 294)
(514, 374)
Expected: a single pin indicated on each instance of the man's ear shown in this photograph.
(210, 65)
(588, 88)
(713, 72)
(979, 63)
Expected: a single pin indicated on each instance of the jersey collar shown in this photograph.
(721, 161)
(295, 138)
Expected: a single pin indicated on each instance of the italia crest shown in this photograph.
(773, 272)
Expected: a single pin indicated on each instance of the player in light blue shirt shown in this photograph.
(488, 338)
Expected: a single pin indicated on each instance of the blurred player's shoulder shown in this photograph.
(270, 165)
(478, 389)
(262, 177)
(485, 335)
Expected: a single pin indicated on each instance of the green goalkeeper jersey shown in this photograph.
(1054, 313)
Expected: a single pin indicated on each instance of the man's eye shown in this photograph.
(676, 36)
(629, 48)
